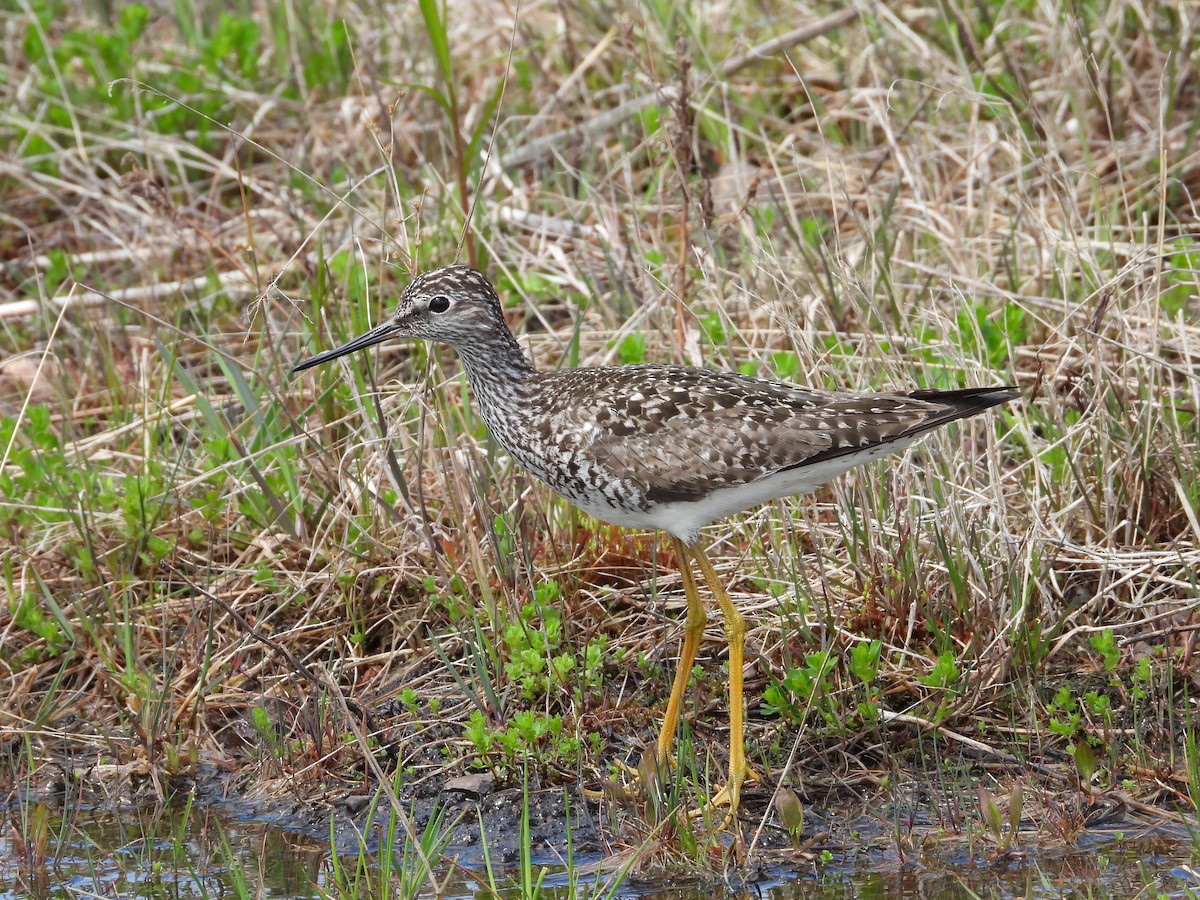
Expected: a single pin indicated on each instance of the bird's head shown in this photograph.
(455, 305)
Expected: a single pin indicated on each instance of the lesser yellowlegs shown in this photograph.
(665, 447)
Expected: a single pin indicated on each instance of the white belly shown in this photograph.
(685, 519)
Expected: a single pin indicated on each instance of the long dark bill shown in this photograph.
(376, 335)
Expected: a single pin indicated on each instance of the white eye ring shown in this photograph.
(439, 304)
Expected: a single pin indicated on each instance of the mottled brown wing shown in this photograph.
(679, 432)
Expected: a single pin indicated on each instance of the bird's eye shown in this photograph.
(439, 304)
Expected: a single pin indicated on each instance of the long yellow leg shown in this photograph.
(735, 632)
(693, 629)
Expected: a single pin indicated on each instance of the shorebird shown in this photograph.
(663, 447)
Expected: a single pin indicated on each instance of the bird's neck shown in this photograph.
(497, 370)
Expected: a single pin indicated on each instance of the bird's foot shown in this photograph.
(730, 794)
(641, 782)
(645, 782)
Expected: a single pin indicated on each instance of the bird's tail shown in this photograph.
(962, 404)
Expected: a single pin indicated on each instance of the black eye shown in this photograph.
(439, 304)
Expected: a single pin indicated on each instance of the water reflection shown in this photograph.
(185, 853)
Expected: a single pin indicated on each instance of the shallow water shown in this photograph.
(199, 853)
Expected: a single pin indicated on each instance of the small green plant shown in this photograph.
(791, 813)
(1002, 832)
(1181, 278)
(452, 600)
(943, 678)
(506, 541)
(786, 365)
(530, 736)
(31, 845)
(480, 733)
(1099, 705)
(1105, 643)
(536, 664)
(1033, 644)
(268, 731)
(714, 329)
(1141, 678)
(945, 672)
(409, 700)
(535, 735)
(36, 475)
(27, 614)
(1085, 760)
(632, 348)
(864, 666)
(1065, 717)
(803, 688)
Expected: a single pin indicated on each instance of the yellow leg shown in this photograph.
(735, 632)
(693, 629)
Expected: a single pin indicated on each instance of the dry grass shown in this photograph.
(1003, 193)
